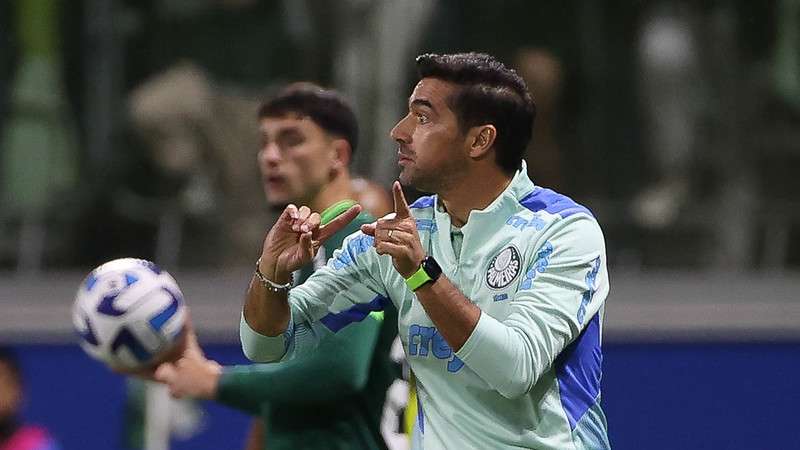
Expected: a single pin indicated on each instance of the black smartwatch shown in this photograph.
(428, 272)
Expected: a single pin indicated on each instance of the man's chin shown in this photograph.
(276, 201)
(408, 179)
(405, 178)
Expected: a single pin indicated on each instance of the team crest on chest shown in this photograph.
(503, 268)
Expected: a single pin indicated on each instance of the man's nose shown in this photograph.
(269, 155)
(400, 132)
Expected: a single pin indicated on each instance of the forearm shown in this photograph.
(233, 392)
(343, 362)
(483, 343)
(264, 349)
(454, 315)
(265, 319)
(267, 312)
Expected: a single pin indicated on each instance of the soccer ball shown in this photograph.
(128, 312)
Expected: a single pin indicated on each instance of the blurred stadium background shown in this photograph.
(127, 128)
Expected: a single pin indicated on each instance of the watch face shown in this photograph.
(431, 267)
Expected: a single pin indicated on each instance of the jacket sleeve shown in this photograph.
(346, 290)
(340, 367)
(564, 286)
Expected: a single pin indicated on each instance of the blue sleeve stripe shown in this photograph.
(578, 370)
(420, 416)
(423, 202)
(543, 199)
(356, 246)
(355, 313)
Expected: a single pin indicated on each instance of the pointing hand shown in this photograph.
(397, 236)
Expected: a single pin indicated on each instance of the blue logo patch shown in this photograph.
(423, 341)
(591, 277)
(521, 223)
(539, 265)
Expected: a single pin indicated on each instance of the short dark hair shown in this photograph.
(490, 93)
(9, 359)
(326, 107)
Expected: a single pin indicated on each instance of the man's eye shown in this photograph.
(422, 118)
(291, 141)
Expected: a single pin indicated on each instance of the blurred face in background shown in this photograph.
(432, 151)
(10, 392)
(297, 158)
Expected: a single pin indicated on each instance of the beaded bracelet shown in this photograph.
(269, 285)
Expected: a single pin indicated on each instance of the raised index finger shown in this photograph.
(401, 208)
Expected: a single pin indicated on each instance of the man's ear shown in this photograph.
(341, 153)
(481, 139)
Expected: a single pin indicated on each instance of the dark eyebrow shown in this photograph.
(422, 102)
(282, 132)
(288, 130)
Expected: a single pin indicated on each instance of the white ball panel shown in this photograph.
(121, 300)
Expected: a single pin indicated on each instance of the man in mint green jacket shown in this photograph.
(500, 284)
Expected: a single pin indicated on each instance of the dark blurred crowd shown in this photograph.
(126, 128)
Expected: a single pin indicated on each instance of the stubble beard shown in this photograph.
(418, 180)
(434, 181)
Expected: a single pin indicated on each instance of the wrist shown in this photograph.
(266, 264)
(282, 277)
(427, 273)
(215, 372)
(413, 269)
(269, 270)
(409, 274)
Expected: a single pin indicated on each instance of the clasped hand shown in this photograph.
(295, 238)
(297, 235)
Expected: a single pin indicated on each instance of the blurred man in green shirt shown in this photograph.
(334, 398)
